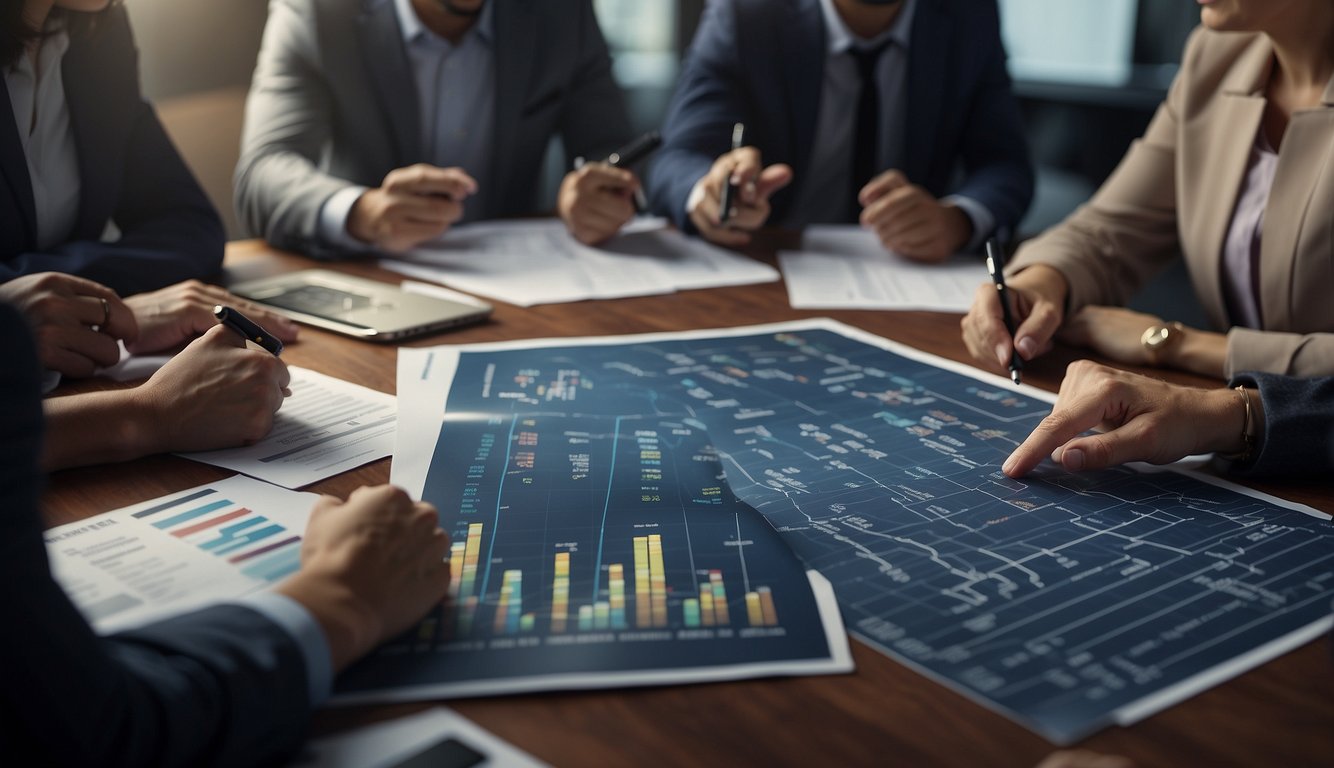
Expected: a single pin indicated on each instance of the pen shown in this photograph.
(635, 151)
(996, 267)
(248, 329)
(730, 191)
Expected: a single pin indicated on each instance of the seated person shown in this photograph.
(864, 112)
(1233, 172)
(81, 150)
(229, 685)
(375, 126)
(1268, 424)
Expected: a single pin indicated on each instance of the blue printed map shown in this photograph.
(1059, 600)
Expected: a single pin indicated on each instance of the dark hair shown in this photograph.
(16, 34)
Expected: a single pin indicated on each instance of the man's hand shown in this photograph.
(910, 221)
(1038, 298)
(370, 567)
(217, 393)
(76, 322)
(178, 313)
(750, 208)
(412, 205)
(1141, 419)
(596, 201)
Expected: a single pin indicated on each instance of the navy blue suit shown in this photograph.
(761, 62)
(221, 686)
(129, 172)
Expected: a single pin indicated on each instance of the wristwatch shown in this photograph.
(1158, 338)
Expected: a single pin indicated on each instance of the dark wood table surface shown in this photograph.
(1280, 714)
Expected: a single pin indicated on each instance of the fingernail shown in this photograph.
(1027, 347)
(1008, 465)
(1073, 459)
(1002, 354)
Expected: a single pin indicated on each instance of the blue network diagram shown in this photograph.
(1057, 600)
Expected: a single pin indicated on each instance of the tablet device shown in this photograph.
(354, 306)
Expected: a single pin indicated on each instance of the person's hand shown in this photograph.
(217, 393)
(750, 207)
(1037, 297)
(178, 313)
(910, 221)
(1141, 419)
(370, 567)
(596, 201)
(75, 322)
(1113, 332)
(412, 205)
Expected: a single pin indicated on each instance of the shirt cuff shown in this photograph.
(50, 380)
(695, 197)
(332, 227)
(983, 221)
(297, 621)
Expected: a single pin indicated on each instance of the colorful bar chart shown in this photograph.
(260, 547)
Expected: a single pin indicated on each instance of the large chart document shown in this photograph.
(1067, 602)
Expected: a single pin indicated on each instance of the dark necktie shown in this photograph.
(867, 134)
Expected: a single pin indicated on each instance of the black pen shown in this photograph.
(730, 190)
(996, 266)
(248, 329)
(635, 151)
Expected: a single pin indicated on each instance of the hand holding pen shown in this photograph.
(996, 268)
(597, 199)
(732, 199)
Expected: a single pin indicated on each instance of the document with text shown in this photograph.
(530, 262)
(846, 267)
(326, 427)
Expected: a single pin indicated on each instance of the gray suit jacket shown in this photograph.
(333, 102)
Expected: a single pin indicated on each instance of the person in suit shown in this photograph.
(229, 685)
(375, 125)
(863, 111)
(1233, 173)
(1265, 424)
(81, 153)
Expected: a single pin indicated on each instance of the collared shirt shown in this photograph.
(1241, 249)
(824, 192)
(456, 95)
(41, 114)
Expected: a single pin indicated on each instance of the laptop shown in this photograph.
(366, 309)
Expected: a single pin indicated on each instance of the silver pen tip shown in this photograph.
(1014, 376)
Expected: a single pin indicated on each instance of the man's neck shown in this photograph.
(868, 21)
(435, 17)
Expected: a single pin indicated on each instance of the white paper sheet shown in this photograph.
(415, 740)
(326, 427)
(204, 545)
(532, 262)
(846, 267)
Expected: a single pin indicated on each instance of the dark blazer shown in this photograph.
(333, 101)
(761, 62)
(221, 686)
(130, 175)
(1298, 437)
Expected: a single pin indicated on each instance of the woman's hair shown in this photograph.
(16, 33)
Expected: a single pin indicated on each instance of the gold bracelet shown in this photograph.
(1247, 431)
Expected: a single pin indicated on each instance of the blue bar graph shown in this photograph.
(229, 534)
(192, 514)
(250, 538)
(276, 566)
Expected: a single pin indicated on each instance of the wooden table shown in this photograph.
(1279, 714)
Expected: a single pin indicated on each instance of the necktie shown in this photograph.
(866, 136)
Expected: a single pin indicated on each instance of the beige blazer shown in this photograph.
(1174, 193)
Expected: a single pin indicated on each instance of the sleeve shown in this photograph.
(1290, 354)
(1298, 438)
(998, 170)
(709, 100)
(593, 119)
(279, 186)
(169, 231)
(223, 686)
(1112, 245)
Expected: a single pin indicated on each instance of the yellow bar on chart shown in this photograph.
(657, 580)
(767, 606)
(616, 585)
(456, 555)
(560, 593)
(719, 597)
(471, 551)
(643, 608)
(706, 605)
(754, 611)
